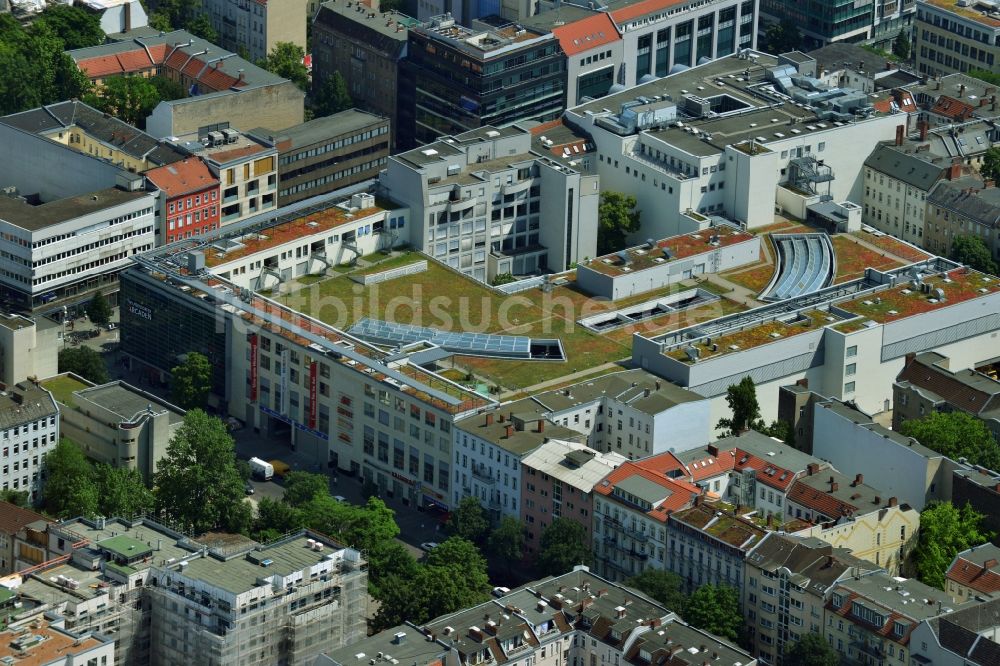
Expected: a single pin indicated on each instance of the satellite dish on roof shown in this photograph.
(676, 69)
(646, 78)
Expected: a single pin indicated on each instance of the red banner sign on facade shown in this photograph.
(312, 395)
(253, 367)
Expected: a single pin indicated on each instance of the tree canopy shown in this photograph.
(506, 542)
(75, 486)
(663, 586)
(197, 483)
(945, 531)
(285, 60)
(302, 487)
(98, 310)
(716, 609)
(955, 435)
(811, 650)
(617, 218)
(468, 521)
(128, 98)
(75, 26)
(901, 46)
(742, 401)
(83, 362)
(971, 250)
(191, 382)
(563, 546)
(331, 96)
(782, 37)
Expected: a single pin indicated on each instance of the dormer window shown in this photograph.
(644, 655)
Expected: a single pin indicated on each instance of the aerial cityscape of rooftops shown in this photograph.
(526, 332)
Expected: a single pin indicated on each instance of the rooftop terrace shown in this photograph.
(668, 249)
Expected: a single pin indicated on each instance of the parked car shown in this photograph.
(340, 498)
(248, 488)
(429, 545)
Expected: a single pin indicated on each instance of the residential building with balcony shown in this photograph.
(460, 79)
(492, 201)
(872, 619)
(708, 544)
(366, 47)
(631, 413)
(257, 27)
(967, 206)
(63, 239)
(927, 384)
(967, 637)
(188, 204)
(29, 422)
(558, 482)
(631, 508)
(952, 36)
(787, 585)
(22, 537)
(327, 154)
(246, 169)
(974, 574)
(488, 451)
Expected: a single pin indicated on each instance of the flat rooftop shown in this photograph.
(35, 218)
(243, 147)
(392, 25)
(319, 130)
(641, 257)
(907, 597)
(477, 42)
(42, 643)
(980, 12)
(127, 402)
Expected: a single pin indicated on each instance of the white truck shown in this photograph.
(261, 469)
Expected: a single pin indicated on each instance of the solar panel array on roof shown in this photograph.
(475, 344)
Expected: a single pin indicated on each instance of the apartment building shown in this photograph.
(87, 130)
(854, 66)
(927, 384)
(29, 419)
(849, 514)
(787, 586)
(246, 168)
(22, 540)
(974, 573)
(874, 617)
(966, 206)
(966, 637)
(188, 204)
(491, 201)
(835, 21)
(28, 347)
(708, 544)
(222, 88)
(897, 181)
(517, 74)
(115, 423)
(574, 618)
(63, 239)
(632, 413)
(328, 153)
(559, 479)
(631, 508)
(488, 455)
(703, 141)
(47, 643)
(366, 47)
(952, 36)
(257, 27)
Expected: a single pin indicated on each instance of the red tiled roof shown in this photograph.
(641, 9)
(587, 33)
(133, 60)
(885, 630)
(184, 177)
(677, 493)
(235, 153)
(101, 66)
(767, 473)
(13, 518)
(950, 107)
(216, 79)
(820, 501)
(984, 579)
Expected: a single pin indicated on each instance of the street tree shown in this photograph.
(663, 586)
(128, 98)
(286, 60)
(276, 517)
(191, 382)
(301, 487)
(83, 362)
(389, 560)
(98, 310)
(34, 68)
(901, 46)
(617, 218)
(122, 492)
(506, 542)
(811, 650)
(331, 96)
(945, 531)
(715, 609)
(75, 26)
(972, 250)
(197, 484)
(742, 401)
(955, 435)
(468, 520)
(563, 546)
(70, 489)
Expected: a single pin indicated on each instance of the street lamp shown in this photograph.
(65, 313)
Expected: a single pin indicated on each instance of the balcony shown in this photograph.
(641, 537)
(483, 475)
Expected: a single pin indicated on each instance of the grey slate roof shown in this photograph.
(914, 169)
(25, 403)
(967, 632)
(110, 130)
(981, 204)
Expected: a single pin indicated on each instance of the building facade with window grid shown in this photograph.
(29, 429)
(952, 37)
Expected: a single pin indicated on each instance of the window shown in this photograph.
(851, 369)
(849, 387)
(852, 351)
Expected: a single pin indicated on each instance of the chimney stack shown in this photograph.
(899, 134)
(893, 501)
(804, 382)
(989, 564)
(508, 431)
(489, 419)
(541, 425)
(858, 480)
(922, 126)
(961, 90)
(812, 468)
(955, 170)
(834, 486)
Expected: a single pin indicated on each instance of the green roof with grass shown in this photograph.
(63, 387)
(125, 547)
